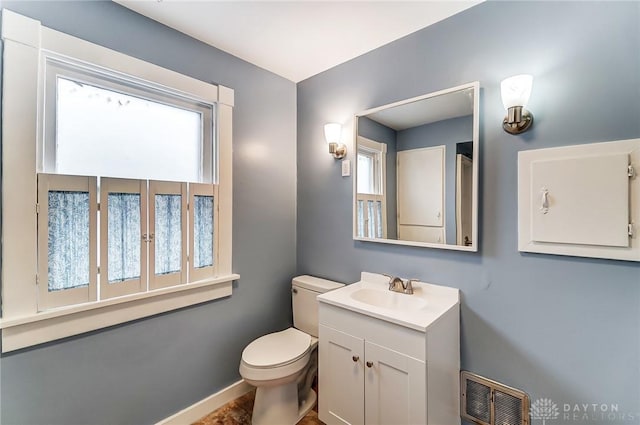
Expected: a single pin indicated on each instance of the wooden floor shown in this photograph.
(238, 412)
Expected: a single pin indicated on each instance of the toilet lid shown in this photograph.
(277, 348)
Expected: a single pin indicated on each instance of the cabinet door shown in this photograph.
(395, 388)
(341, 378)
(582, 200)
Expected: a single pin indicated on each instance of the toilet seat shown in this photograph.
(277, 349)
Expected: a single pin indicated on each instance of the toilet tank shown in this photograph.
(304, 291)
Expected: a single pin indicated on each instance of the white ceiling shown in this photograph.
(297, 39)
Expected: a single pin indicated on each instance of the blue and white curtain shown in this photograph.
(124, 236)
(168, 234)
(68, 241)
(203, 231)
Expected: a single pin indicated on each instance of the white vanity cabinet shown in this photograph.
(374, 371)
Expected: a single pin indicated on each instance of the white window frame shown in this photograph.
(54, 65)
(25, 43)
(374, 177)
(378, 152)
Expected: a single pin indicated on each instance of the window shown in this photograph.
(124, 133)
(132, 165)
(98, 124)
(371, 189)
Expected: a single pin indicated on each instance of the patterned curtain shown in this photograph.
(378, 208)
(371, 213)
(124, 236)
(360, 218)
(168, 236)
(68, 242)
(203, 231)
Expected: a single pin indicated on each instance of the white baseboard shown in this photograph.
(207, 405)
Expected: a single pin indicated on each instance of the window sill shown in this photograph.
(63, 322)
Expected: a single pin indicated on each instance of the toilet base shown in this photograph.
(307, 405)
(279, 405)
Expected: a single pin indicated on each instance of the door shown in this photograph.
(395, 388)
(464, 200)
(341, 378)
(420, 191)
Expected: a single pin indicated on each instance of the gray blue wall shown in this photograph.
(141, 372)
(558, 327)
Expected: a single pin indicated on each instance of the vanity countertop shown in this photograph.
(370, 296)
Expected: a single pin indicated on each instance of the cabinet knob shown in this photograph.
(355, 358)
(294, 290)
(369, 364)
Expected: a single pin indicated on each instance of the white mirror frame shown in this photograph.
(475, 86)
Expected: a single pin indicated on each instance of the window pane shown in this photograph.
(203, 231)
(124, 237)
(101, 132)
(168, 236)
(360, 219)
(68, 240)
(365, 174)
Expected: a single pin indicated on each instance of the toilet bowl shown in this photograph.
(277, 364)
(282, 365)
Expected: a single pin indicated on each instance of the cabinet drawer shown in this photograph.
(407, 341)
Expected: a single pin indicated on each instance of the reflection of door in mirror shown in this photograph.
(421, 195)
(464, 195)
(371, 193)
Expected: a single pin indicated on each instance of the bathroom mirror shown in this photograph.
(416, 179)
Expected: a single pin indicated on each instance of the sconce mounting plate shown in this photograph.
(518, 120)
(338, 151)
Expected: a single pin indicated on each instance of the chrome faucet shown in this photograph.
(398, 285)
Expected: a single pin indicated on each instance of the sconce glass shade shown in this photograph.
(515, 96)
(333, 132)
(333, 136)
(516, 90)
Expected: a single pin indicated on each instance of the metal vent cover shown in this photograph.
(487, 402)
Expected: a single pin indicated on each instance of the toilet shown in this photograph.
(282, 365)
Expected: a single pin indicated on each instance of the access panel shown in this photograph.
(581, 200)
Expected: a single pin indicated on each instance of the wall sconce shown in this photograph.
(515, 95)
(333, 136)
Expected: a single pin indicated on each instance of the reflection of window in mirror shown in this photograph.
(371, 189)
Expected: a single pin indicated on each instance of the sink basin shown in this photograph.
(388, 299)
(371, 296)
